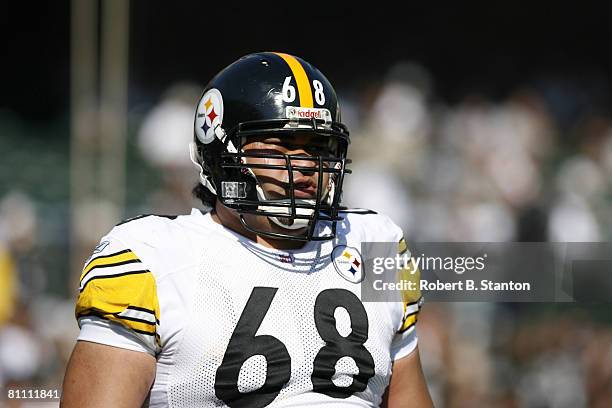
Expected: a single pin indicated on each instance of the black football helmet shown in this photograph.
(278, 95)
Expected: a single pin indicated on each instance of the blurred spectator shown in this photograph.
(7, 285)
(164, 138)
(17, 221)
(395, 126)
(20, 351)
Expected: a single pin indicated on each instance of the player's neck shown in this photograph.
(228, 218)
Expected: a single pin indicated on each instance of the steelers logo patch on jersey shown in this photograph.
(209, 117)
(347, 261)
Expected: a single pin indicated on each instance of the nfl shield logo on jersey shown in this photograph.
(347, 261)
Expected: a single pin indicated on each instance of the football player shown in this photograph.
(257, 302)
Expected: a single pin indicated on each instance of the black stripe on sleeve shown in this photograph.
(125, 251)
(406, 318)
(406, 329)
(144, 332)
(413, 303)
(94, 313)
(142, 309)
(129, 261)
(409, 315)
(134, 319)
(114, 276)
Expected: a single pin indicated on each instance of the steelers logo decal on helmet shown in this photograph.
(209, 116)
(347, 261)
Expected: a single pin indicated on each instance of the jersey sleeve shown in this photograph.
(117, 303)
(405, 339)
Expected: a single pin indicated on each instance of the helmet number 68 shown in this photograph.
(288, 91)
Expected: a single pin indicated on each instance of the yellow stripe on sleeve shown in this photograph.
(301, 78)
(409, 321)
(109, 296)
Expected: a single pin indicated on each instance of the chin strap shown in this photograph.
(297, 223)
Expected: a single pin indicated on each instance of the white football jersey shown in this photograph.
(233, 323)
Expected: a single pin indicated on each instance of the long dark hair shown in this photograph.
(204, 194)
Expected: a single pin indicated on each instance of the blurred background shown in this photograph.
(489, 123)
